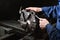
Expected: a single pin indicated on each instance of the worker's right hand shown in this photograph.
(43, 22)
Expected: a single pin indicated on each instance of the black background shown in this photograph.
(9, 8)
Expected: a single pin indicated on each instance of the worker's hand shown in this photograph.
(35, 9)
(43, 22)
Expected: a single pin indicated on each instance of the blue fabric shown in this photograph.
(49, 28)
(58, 0)
(58, 17)
(48, 11)
(54, 33)
(55, 11)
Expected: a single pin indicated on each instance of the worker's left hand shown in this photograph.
(35, 9)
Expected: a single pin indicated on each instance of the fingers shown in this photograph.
(43, 22)
(28, 8)
(31, 9)
(42, 19)
(36, 9)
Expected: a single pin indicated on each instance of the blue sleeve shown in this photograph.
(49, 28)
(49, 10)
(53, 32)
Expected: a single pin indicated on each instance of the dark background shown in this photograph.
(9, 8)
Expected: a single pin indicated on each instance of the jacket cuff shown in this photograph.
(49, 28)
(45, 11)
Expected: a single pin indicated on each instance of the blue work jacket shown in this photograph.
(53, 32)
